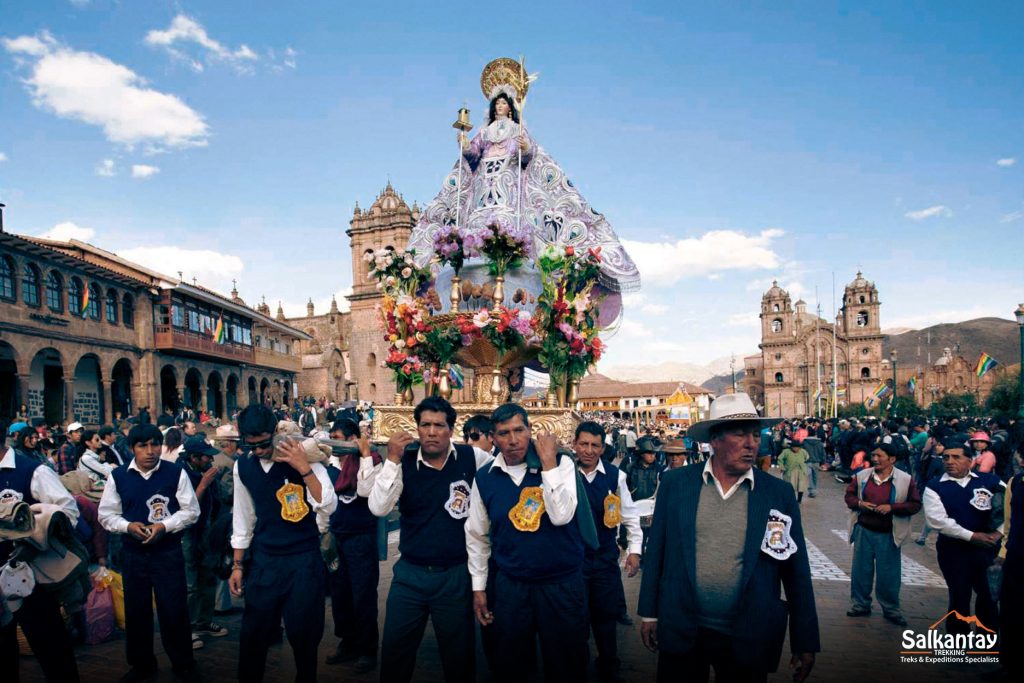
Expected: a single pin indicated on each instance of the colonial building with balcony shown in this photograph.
(85, 334)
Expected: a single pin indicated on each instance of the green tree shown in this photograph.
(906, 406)
(957, 404)
(1005, 396)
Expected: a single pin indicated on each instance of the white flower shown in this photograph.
(400, 344)
(482, 318)
(407, 272)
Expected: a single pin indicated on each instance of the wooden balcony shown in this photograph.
(168, 338)
(277, 360)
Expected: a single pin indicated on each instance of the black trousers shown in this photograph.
(39, 618)
(1011, 618)
(353, 589)
(606, 602)
(964, 567)
(159, 574)
(446, 597)
(712, 650)
(554, 613)
(288, 586)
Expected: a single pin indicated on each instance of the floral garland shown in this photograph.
(396, 273)
(505, 245)
(454, 245)
(567, 313)
(405, 329)
(505, 328)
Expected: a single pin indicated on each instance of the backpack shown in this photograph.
(902, 447)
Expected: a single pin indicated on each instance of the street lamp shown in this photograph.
(1019, 314)
(892, 403)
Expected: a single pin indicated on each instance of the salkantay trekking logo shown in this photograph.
(942, 647)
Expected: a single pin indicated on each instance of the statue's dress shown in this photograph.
(493, 171)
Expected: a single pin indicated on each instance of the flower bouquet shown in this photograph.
(396, 273)
(505, 328)
(403, 319)
(454, 245)
(504, 244)
(567, 313)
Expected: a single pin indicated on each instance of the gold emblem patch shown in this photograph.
(293, 503)
(612, 510)
(526, 514)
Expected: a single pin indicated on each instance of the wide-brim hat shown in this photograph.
(674, 447)
(727, 409)
(980, 436)
(226, 433)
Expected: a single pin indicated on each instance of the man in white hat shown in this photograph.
(719, 607)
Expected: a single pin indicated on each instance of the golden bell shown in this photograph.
(462, 123)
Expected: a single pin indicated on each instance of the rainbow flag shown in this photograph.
(841, 392)
(85, 302)
(912, 385)
(985, 363)
(220, 333)
(456, 376)
(880, 392)
(818, 394)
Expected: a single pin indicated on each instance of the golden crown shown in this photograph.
(507, 75)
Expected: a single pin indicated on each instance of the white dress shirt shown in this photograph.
(91, 464)
(558, 490)
(630, 516)
(46, 487)
(110, 509)
(709, 475)
(243, 519)
(387, 487)
(935, 511)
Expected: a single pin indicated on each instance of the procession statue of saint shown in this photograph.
(503, 177)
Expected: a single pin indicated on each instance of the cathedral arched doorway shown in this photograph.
(214, 395)
(121, 387)
(87, 392)
(193, 383)
(169, 389)
(251, 388)
(264, 391)
(9, 389)
(46, 386)
(231, 396)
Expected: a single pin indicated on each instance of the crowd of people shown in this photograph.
(509, 537)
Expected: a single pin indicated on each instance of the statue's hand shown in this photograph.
(522, 143)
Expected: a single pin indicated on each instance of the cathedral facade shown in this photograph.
(798, 348)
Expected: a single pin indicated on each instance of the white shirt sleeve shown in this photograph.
(243, 514)
(188, 506)
(387, 488)
(328, 498)
(109, 512)
(478, 539)
(483, 458)
(47, 488)
(630, 517)
(91, 464)
(560, 492)
(366, 476)
(935, 513)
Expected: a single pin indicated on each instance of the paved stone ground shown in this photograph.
(854, 649)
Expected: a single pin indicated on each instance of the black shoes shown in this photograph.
(896, 619)
(858, 613)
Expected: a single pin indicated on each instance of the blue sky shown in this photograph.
(727, 145)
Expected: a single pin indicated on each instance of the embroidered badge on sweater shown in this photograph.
(293, 504)
(11, 496)
(982, 500)
(457, 504)
(526, 514)
(158, 510)
(778, 541)
(612, 510)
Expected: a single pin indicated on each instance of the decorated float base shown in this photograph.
(389, 420)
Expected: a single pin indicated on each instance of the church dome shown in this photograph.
(859, 283)
(776, 292)
(389, 201)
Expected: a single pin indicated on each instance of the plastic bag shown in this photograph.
(99, 616)
(117, 595)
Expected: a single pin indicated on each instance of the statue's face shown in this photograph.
(501, 108)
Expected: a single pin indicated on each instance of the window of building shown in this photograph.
(778, 356)
(128, 310)
(862, 319)
(865, 372)
(779, 378)
(75, 296)
(110, 310)
(775, 308)
(93, 309)
(178, 313)
(861, 298)
(865, 351)
(30, 285)
(55, 292)
(777, 325)
(7, 278)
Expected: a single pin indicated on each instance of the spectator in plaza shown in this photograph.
(815, 448)
(151, 502)
(197, 460)
(764, 450)
(643, 478)
(612, 506)
(89, 460)
(26, 443)
(478, 431)
(67, 454)
(718, 607)
(677, 455)
(112, 451)
(1011, 599)
(353, 586)
(793, 461)
(966, 508)
(281, 501)
(431, 483)
(189, 428)
(930, 468)
(174, 439)
(226, 441)
(882, 500)
(982, 458)
(25, 479)
(523, 513)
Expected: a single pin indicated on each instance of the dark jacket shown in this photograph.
(669, 593)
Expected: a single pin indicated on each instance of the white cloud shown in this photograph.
(639, 301)
(931, 212)
(1011, 217)
(210, 268)
(88, 87)
(106, 168)
(142, 171)
(1006, 162)
(665, 263)
(68, 231)
(3, 157)
(186, 32)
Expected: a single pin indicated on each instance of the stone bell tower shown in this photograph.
(387, 224)
(863, 330)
